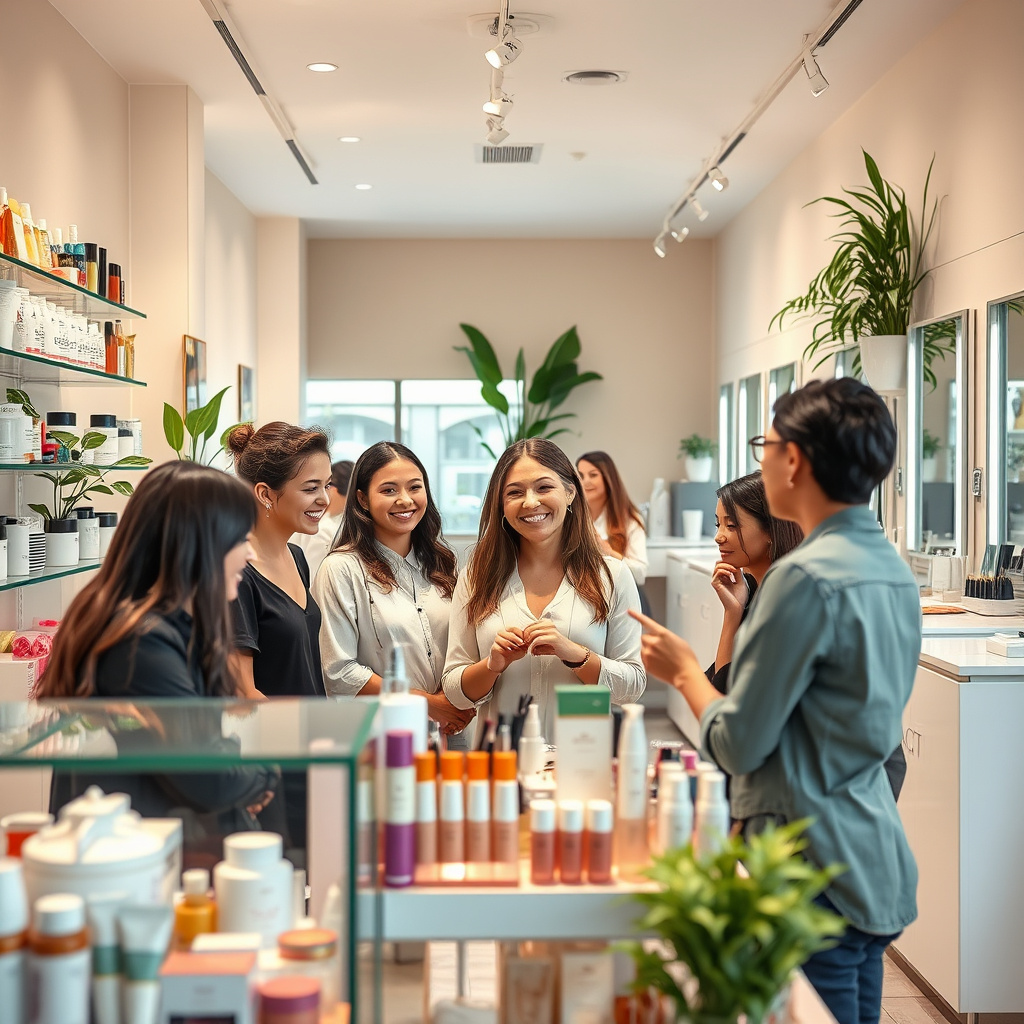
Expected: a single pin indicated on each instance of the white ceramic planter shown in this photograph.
(929, 470)
(884, 361)
(699, 469)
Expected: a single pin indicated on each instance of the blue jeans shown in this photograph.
(848, 977)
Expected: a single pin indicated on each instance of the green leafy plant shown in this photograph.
(740, 934)
(532, 414)
(72, 486)
(930, 444)
(867, 288)
(697, 447)
(200, 425)
(1014, 456)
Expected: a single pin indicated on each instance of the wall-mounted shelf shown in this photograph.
(49, 573)
(61, 467)
(70, 296)
(34, 369)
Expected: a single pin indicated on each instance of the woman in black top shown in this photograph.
(154, 623)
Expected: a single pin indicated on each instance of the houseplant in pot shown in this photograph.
(699, 452)
(864, 295)
(930, 446)
(730, 939)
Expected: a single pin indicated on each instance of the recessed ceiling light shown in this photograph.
(321, 65)
(349, 138)
(363, 188)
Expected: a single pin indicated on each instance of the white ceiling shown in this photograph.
(412, 79)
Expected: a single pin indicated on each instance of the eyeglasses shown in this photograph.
(758, 445)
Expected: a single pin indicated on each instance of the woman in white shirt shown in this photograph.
(619, 525)
(539, 606)
(389, 581)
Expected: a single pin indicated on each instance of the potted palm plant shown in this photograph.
(699, 453)
(865, 293)
(733, 928)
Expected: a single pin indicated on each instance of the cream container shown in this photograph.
(106, 453)
(254, 886)
(88, 534)
(108, 524)
(19, 342)
(99, 846)
(15, 433)
(13, 936)
(58, 962)
(62, 542)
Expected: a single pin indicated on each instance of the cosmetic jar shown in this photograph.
(15, 431)
(106, 453)
(88, 534)
(108, 524)
(291, 999)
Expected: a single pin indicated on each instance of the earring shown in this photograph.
(568, 508)
(268, 509)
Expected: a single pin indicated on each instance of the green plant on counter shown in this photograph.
(532, 415)
(740, 935)
(200, 425)
(697, 447)
(930, 444)
(72, 486)
(867, 289)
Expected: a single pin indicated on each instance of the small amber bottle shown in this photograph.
(196, 913)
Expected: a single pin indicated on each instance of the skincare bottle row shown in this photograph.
(569, 843)
(80, 263)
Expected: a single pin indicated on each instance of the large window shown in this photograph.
(438, 419)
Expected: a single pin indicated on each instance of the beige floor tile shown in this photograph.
(912, 1010)
(896, 983)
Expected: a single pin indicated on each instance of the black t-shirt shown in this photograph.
(284, 638)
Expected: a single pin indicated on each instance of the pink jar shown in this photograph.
(290, 999)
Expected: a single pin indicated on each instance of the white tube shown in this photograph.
(106, 956)
(145, 932)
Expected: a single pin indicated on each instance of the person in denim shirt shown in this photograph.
(822, 669)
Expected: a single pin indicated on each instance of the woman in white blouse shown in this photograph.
(539, 606)
(619, 525)
(389, 581)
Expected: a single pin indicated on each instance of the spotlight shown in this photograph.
(702, 214)
(659, 245)
(815, 78)
(499, 108)
(504, 52)
(496, 132)
(679, 234)
(718, 180)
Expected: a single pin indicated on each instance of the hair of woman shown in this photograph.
(619, 508)
(494, 558)
(357, 532)
(167, 552)
(274, 454)
(747, 493)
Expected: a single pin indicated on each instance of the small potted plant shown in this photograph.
(930, 446)
(733, 928)
(699, 452)
(199, 425)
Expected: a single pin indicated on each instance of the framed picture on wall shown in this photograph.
(246, 394)
(195, 373)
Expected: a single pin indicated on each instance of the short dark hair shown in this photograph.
(846, 432)
(341, 473)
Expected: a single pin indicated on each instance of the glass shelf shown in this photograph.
(34, 369)
(55, 572)
(62, 467)
(63, 293)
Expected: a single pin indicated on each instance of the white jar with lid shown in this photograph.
(88, 534)
(125, 443)
(135, 426)
(62, 542)
(15, 433)
(254, 886)
(106, 454)
(21, 329)
(108, 524)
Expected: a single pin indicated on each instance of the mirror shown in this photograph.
(750, 420)
(936, 464)
(1006, 420)
(781, 381)
(726, 433)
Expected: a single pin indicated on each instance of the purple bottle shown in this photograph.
(400, 810)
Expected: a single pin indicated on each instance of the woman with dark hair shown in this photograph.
(539, 606)
(277, 622)
(617, 521)
(154, 622)
(749, 540)
(389, 582)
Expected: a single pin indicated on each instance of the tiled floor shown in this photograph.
(903, 1002)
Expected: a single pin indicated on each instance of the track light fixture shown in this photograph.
(659, 245)
(505, 52)
(817, 81)
(702, 214)
(496, 132)
(680, 234)
(500, 107)
(718, 180)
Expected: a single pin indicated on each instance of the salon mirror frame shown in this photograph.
(914, 432)
(995, 425)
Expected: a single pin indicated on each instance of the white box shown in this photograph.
(208, 986)
(1008, 645)
(583, 738)
(588, 987)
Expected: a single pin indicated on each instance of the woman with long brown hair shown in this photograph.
(617, 521)
(388, 582)
(538, 605)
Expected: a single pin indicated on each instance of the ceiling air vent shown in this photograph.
(507, 154)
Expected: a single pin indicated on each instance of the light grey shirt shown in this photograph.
(823, 667)
(362, 623)
(616, 640)
(635, 555)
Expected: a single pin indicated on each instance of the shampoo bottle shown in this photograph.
(631, 849)
(675, 812)
(532, 749)
(400, 812)
(711, 827)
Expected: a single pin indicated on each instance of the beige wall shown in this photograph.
(960, 95)
(384, 309)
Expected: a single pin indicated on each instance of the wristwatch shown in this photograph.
(578, 664)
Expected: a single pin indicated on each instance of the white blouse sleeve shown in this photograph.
(463, 649)
(337, 591)
(622, 670)
(635, 555)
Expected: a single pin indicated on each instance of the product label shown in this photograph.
(401, 796)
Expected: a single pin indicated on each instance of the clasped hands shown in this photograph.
(538, 638)
(449, 718)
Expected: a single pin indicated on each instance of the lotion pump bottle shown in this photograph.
(631, 848)
(711, 827)
(531, 744)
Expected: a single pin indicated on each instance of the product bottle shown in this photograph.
(478, 808)
(659, 514)
(91, 265)
(129, 355)
(598, 854)
(690, 759)
(631, 850)
(542, 842)
(59, 961)
(114, 282)
(78, 251)
(532, 749)
(196, 914)
(254, 886)
(452, 829)
(400, 810)
(426, 809)
(675, 812)
(44, 245)
(570, 841)
(711, 828)
(31, 248)
(505, 830)
(119, 342)
(10, 228)
(13, 937)
(109, 348)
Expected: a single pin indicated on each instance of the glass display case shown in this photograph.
(202, 770)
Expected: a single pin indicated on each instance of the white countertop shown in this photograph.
(968, 623)
(966, 658)
(679, 542)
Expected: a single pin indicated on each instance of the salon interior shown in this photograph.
(317, 192)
